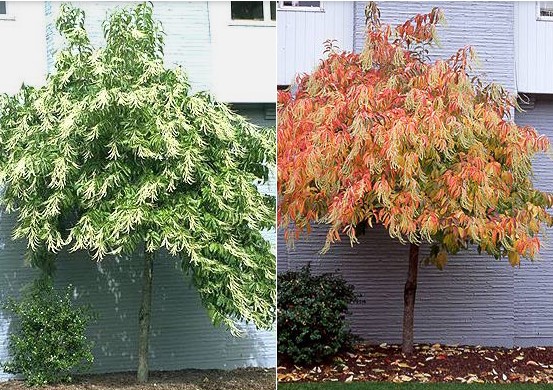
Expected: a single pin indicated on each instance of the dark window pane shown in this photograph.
(302, 3)
(246, 10)
(2, 8)
(273, 10)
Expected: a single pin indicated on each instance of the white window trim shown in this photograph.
(266, 22)
(282, 7)
(7, 16)
(539, 16)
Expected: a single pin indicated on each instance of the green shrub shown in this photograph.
(49, 343)
(311, 313)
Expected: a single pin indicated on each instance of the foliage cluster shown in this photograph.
(424, 148)
(49, 343)
(311, 318)
(115, 153)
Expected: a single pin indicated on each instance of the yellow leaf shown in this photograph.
(514, 258)
(441, 260)
(405, 378)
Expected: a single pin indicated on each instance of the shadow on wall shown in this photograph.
(474, 300)
(182, 335)
(14, 276)
(112, 289)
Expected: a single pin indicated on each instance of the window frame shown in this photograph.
(539, 16)
(7, 16)
(266, 22)
(294, 8)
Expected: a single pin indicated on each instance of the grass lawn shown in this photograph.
(409, 386)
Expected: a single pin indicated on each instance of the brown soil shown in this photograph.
(243, 379)
(431, 363)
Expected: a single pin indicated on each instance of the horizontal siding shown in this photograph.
(470, 302)
(534, 285)
(257, 113)
(301, 35)
(534, 52)
(13, 276)
(182, 334)
(487, 26)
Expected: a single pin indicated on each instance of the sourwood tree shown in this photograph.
(116, 155)
(424, 148)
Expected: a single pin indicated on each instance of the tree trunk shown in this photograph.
(144, 317)
(409, 300)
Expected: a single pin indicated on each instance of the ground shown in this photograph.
(429, 363)
(408, 386)
(242, 379)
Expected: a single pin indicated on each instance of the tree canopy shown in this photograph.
(425, 148)
(115, 152)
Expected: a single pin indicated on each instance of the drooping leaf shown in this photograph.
(424, 148)
(115, 152)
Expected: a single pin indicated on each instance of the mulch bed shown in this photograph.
(243, 379)
(430, 363)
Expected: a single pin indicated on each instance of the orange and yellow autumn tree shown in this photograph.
(422, 147)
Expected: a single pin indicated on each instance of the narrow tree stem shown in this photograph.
(144, 317)
(409, 299)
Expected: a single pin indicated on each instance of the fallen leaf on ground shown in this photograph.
(429, 363)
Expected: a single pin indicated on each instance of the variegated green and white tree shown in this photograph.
(115, 155)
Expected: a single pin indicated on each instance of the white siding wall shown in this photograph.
(301, 35)
(22, 45)
(244, 57)
(534, 50)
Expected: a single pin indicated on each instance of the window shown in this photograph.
(253, 11)
(273, 10)
(4, 12)
(545, 10)
(295, 5)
